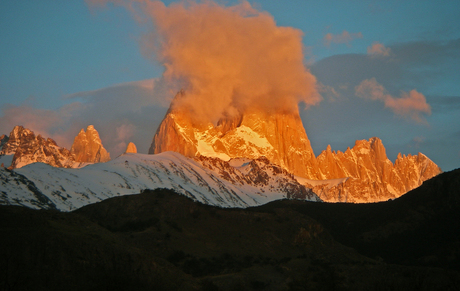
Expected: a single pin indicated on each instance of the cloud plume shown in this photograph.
(412, 104)
(344, 37)
(227, 59)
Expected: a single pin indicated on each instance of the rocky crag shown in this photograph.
(23, 147)
(87, 147)
(27, 148)
(361, 174)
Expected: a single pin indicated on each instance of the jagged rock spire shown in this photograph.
(87, 147)
(131, 149)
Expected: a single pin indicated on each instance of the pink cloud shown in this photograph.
(345, 37)
(412, 104)
(124, 134)
(378, 49)
(119, 113)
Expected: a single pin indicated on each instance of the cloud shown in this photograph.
(345, 37)
(411, 104)
(125, 133)
(122, 113)
(328, 92)
(227, 59)
(378, 50)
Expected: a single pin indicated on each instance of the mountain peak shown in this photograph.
(280, 137)
(26, 148)
(131, 149)
(87, 147)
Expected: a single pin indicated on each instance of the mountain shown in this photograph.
(25, 148)
(87, 147)
(131, 149)
(159, 240)
(361, 174)
(279, 137)
(365, 174)
(237, 183)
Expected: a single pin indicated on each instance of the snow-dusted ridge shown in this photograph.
(206, 180)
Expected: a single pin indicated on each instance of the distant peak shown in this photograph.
(87, 147)
(131, 149)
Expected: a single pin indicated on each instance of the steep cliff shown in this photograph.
(280, 137)
(87, 147)
(365, 174)
(361, 174)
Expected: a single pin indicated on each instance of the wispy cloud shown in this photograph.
(411, 104)
(378, 50)
(121, 113)
(345, 37)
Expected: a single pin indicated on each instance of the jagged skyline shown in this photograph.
(80, 63)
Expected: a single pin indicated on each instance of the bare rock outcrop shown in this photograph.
(280, 137)
(361, 174)
(365, 174)
(131, 149)
(87, 147)
(28, 148)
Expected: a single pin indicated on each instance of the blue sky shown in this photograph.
(65, 65)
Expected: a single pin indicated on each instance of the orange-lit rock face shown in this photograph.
(361, 174)
(29, 148)
(279, 137)
(87, 147)
(367, 175)
(131, 148)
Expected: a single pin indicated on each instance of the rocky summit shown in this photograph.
(361, 174)
(280, 137)
(25, 148)
(87, 147)
(365, 174)
(131, 149)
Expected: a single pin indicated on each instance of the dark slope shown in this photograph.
(420, 228)
(160, 240)
(50, 250)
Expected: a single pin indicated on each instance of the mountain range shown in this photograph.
(237, 183)
(361, 174)
(244, 160)
(23, 147)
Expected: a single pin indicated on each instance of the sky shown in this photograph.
(367, 68)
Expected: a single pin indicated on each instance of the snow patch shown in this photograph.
(239, 162)
(330, 183)
(250, 136)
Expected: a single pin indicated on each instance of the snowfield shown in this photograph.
(40, 185)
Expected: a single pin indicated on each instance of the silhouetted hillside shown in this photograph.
(159, 240)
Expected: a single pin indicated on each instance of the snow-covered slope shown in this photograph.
(206, 180)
